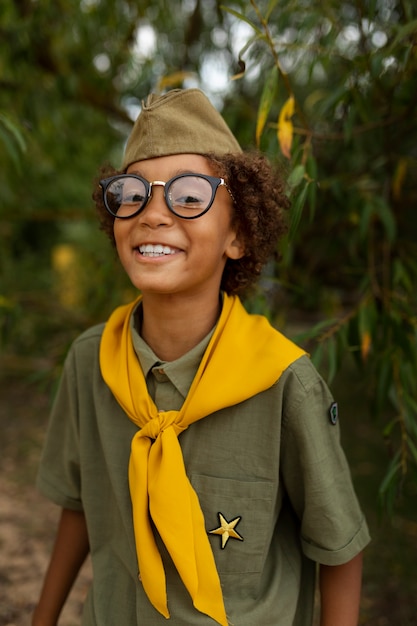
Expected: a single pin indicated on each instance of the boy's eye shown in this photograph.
(190, 192)
(189, 200)
(132, 197)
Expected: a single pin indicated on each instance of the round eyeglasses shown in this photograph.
(187, 195)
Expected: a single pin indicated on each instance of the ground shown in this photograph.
(28, 521)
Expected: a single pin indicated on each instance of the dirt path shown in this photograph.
(27, 524)
(27, 520)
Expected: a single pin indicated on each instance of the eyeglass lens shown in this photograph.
(186, 196)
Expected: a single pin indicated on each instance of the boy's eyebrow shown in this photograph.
(176, 173)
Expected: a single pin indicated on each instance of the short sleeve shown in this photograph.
(59, 471)
(315, 471)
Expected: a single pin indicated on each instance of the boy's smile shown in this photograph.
(164, 254)
(156, 250)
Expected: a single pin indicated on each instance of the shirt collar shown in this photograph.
(180, 372)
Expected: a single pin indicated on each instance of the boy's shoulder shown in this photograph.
(304, 373)
(301, 381)
(88, 342)
(93, 333)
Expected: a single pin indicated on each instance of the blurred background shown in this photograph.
(328, 90)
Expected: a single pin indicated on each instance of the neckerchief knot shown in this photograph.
(159, 423)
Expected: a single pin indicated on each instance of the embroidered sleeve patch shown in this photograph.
(333, 413)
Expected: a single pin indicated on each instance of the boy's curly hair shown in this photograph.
(260, 202)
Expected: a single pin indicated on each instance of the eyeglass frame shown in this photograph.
(214, 181)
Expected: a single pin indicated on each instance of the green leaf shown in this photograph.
(14, 131)
(389, 478)
(413, 424)
(387, 431)
(401, 276)
(296, 176)
(412, 448)
(10, 147)
(331, 99)
(317, 356)
(349, 124)
(242, 18)
(297, 211)
(388, 487)
(311, 170)
(242, 63)
(384, 380)
(271, 6)
(265, 104)
(403, 33)
(315, 331)
(12, 139)
(387, 218)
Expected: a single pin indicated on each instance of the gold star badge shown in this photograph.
(227, 530)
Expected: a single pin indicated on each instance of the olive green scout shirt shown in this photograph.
(274, 461)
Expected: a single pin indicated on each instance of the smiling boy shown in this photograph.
(181, 283)
(194, 449)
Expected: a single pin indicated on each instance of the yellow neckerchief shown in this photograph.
(244, 357)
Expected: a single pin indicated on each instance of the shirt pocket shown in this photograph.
(252, 501)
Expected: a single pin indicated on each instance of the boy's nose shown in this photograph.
(156, 212)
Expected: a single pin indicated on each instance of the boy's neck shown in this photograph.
(173, 326)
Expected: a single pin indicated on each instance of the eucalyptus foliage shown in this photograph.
(351, 68)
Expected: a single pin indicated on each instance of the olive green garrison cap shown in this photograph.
(182, 121)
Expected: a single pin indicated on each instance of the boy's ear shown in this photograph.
(236, 249)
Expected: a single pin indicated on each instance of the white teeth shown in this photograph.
(155, 250)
